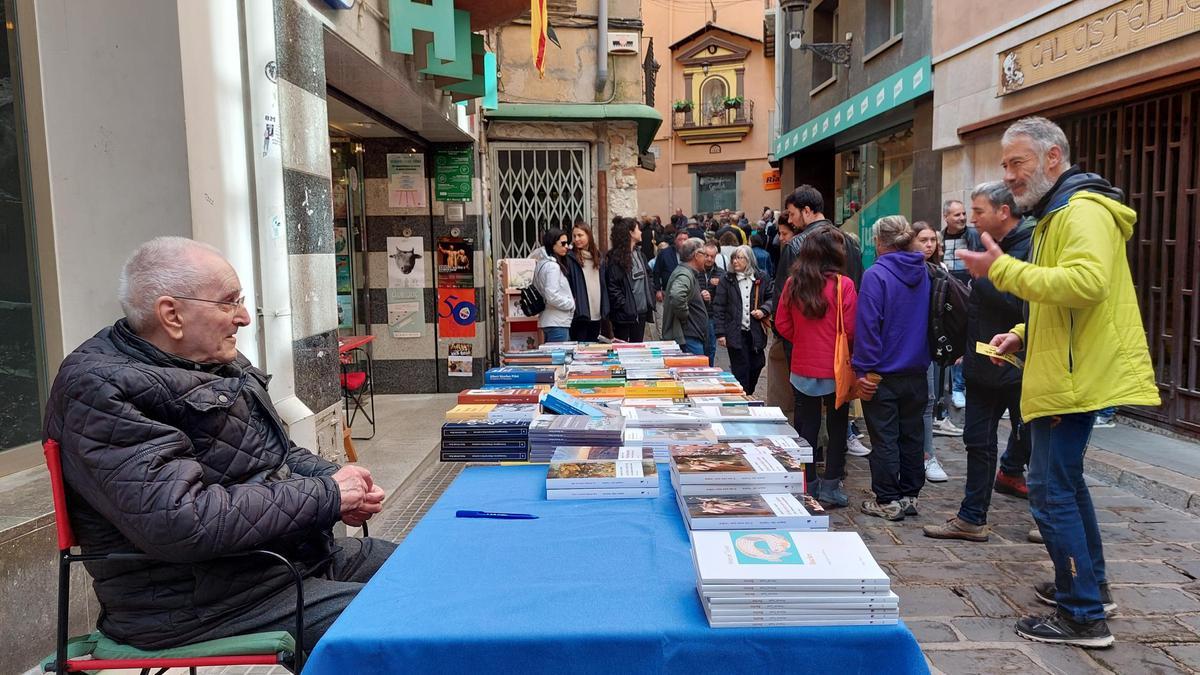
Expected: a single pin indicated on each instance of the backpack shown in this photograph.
(947, 316)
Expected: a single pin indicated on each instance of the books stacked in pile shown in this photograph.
(725, 469)
(677, 416)
(664, 440)
(709, 386)
(534, 358)
(485, 441)
(583, 472)
(685, 360)
(743, 414)
(695, 372)
(548, 432)
(647, 374)
(744, 432)
(496, 412)
(752, 511)
(654, 389)
(510, 376)
(499, 395)
(725, 400)
(790, 578)
(561, 402)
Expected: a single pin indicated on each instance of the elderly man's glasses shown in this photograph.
(227, 305)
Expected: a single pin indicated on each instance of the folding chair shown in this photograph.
(358, 388)
(96, 651)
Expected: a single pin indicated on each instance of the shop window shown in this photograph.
(885, 21)
(825, 23)
(716, 191)
(22, 358)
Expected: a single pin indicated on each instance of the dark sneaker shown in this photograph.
(1058, 629)
(831, 494)
(1035, 535)
(910, 506)
(1046, 591)
(1011, 485)
(957, 529)
(888, 511)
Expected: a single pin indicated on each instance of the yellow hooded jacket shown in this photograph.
(1084, 341)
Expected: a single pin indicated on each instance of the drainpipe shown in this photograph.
(601, 45)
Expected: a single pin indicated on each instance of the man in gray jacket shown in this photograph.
(171, 447)
(685, 319)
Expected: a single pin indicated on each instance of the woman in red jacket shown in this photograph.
(807, 317)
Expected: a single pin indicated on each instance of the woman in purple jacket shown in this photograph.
(891, 357)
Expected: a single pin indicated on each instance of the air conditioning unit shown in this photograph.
(623, 43)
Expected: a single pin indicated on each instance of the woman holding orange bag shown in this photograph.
(816, 304)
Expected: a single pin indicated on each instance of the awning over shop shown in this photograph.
(648, 120)
(901, 87)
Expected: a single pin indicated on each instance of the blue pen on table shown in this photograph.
(495, 514)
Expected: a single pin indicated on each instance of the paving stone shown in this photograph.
(1188, 655)
(983, 662)
(1114, 533)
(1142, 600)
(910, 554)
(1188, 567)
(988, 629)
(1192, 621)
(1026, 574)
(928, 632)
(947, 573)
(928, 601)
(997, 552)
(1063, 659)
(1140, 572)
(1149, 629)
(1176, 532)
(1152, 551)
(1150, 514)
(987, 600)
(1107, 516)
(1128, 657)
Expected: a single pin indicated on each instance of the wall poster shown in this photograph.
(458, 364)
(406, 264)
(406, 312)
(456, 312)
(407, 186)
(456, 262)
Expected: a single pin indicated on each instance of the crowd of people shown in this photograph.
(1039, 258)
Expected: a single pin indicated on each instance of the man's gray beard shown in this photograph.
(1036, 187)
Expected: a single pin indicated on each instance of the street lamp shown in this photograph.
(834, 52)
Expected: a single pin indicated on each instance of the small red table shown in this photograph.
(358, 385)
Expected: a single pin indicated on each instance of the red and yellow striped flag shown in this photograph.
(537, 35)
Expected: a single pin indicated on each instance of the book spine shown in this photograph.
(607, 493)
(811, 524)
(601, 483)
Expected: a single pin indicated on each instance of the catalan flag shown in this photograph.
(539, 21)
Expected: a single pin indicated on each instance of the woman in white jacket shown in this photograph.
(550, 278)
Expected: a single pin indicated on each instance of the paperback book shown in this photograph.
(769, 511)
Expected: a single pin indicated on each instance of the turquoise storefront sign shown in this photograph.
(901, 87)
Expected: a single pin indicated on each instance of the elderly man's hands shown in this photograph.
(361, 498)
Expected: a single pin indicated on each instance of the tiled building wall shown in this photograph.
(308, 205)
(417, 365)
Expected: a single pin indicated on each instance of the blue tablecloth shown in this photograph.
(591, 587)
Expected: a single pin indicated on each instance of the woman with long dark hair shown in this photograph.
(586, 277)
(628, 286)
(741, 302)
(550, 279)
(807, 316)
(891, 357)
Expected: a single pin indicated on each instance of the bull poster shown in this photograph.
(406, 262)
(455, 262)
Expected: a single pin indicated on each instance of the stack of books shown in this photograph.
(533, 358)
(790, 578)
(740, 414)
(647, 374)
(752, 511)
(496, 412)
(561, 402)
(664, 441)
(709, 386)
(725, 400)
(695, 372)
(499, 395)
(548, 432)
(485, 441)
(733, 432)
(673, 417)
(669, 389)
(724, 469)
(582, 472)
(520, 376)
(685, 360)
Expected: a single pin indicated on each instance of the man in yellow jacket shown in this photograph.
(1085, 350)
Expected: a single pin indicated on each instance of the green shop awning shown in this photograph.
(647, 118)
(900, 87)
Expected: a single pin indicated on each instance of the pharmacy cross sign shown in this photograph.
(901, 87)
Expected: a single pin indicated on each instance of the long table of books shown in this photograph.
(658, 531)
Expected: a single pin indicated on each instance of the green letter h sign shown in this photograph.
(406, 16)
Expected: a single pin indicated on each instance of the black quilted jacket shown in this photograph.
(187, 463)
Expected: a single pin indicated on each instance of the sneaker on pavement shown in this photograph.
(959, 399)
(934, 472)
(1035, 536)
(956, 528)
(1104, 422)
(855, 447)
(1046, 592)
(944, 427)
(853, 430)
(910, 506)
(888, 511)
(1058, 629)
(1011, 485)
(831, 494)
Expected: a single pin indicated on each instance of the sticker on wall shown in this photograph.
(406, 312)
(406, 180)
(339, 240)
(455, 262)
(343, 274)
(406, 262)
(345, 311)
(456, 312)
(458, 364)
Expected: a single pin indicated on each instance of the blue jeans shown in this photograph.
(556, 333)
(985, 406)
(693, 346)
(710, 347)
(957, 383)
(1062, 506)
(1016, 453)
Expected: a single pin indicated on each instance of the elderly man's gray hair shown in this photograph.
(997, 194)
(161, 266)
(1042, 133)
(949, 203)
(688, 249)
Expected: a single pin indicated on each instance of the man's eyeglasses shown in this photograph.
(227, 305)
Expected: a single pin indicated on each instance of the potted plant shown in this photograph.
(682, 106)
(734, 102)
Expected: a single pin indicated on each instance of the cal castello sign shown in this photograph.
(1122, 28)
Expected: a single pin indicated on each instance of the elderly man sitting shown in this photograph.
(171, 446)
